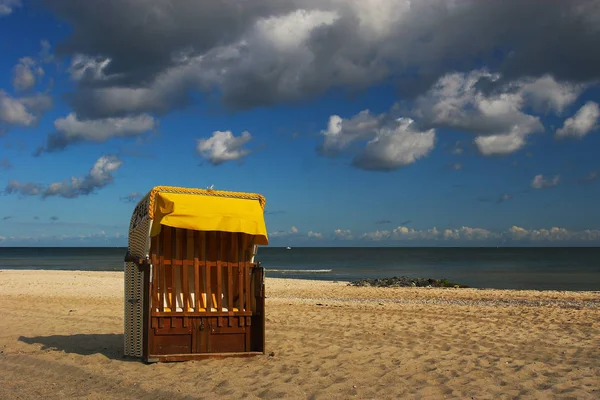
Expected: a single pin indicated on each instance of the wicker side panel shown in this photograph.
(134, 307)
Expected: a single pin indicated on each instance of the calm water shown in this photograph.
(509, 268)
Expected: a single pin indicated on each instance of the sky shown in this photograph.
(362, 122)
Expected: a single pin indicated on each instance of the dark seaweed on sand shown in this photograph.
(404, 281)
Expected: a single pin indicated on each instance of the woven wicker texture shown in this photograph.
(133, 313)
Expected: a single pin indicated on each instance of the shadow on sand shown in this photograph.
(109, 344)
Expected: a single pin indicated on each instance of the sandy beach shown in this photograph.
(62, 338)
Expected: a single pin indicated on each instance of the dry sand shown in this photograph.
(61, 337)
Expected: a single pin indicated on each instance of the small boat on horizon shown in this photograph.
(288, 248)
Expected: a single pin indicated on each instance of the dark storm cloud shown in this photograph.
(154, 31)
(160, 53)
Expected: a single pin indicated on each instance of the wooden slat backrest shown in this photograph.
(248, 301)
(200, 247)
(240, 270)
(230, 280)
(167, 247)
(185, 288)
(162, 272)
(210, 257)
(189, 277)
(219, 283)
(198, 272)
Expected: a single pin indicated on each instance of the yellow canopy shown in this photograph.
(209, 213)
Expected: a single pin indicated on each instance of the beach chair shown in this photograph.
(192, 287)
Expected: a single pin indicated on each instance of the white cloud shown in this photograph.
(104, 167)
(7, 6)
(25, 74)
(392, 148)
(403, 232)
(71, 129)
(392, 143)
(501, 144)
(458, 101)
(518, 233)
(315, 235)
(86, 68)
(292, 232)
(287, 33)
(552, 234)
(376, 235)
(37, 103)
(23, 188)
(343, 234)
(465, 233)
(377, 18)
(539, 182)
(582, 123)
(98, 177)
(223, 146)
(23, 111)
(13, 111)
(103, 129)
(340, 132)
(546, 94)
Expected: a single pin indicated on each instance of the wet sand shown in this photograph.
(62, 338)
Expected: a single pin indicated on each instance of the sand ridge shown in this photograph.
(62, 338)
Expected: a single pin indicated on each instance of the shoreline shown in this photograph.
(309, 280)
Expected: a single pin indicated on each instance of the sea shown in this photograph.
(539, 268)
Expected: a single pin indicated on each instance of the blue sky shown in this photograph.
(368, 123)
